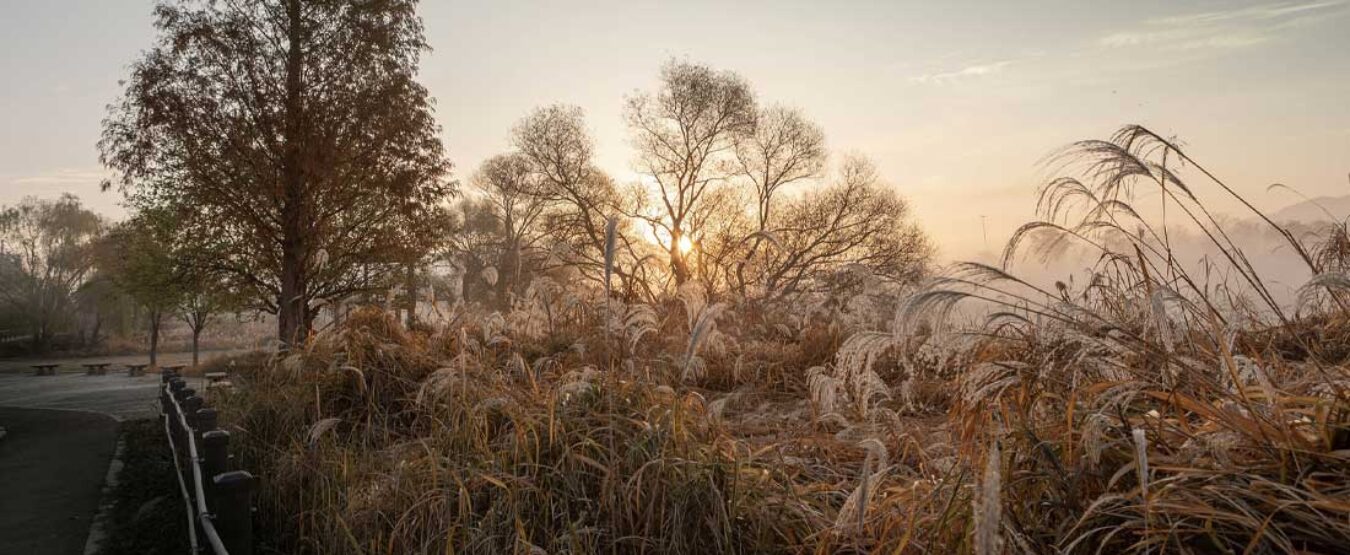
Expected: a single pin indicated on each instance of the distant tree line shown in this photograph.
(69, 278)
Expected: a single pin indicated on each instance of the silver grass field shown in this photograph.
(1151, 408)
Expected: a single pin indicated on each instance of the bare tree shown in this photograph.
(512, 187)
(45, 256)
(474, 245)
(725, 229)
(856, 220)
(100, 307)
(206, 295)
(580, 198)
(289, 133)
(783, 148)
(685, 133)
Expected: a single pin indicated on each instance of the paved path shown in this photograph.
(52, 469)
(53, 463)
(115, 394)
(72, 364)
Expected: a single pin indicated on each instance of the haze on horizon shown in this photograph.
(955, 102)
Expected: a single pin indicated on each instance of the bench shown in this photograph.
(135, 370)
(96, 368)
(45, 369)
(218, 380)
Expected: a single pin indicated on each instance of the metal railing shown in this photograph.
(219, 509)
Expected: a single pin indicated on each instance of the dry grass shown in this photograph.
(1148, 411)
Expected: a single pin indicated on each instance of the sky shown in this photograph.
(957, 102)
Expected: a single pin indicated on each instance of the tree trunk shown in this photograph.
(196, 336)
(292, 320)
(154, 337)
(98, 327)
(754, 247)
(678, 265)
(506, 279)
(410, 290)
(473, 277)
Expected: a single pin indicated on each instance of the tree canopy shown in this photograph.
(291, 138)
(45, 257)
(740, 198)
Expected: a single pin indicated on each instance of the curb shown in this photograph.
(97, 528)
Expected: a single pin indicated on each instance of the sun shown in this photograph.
(685, 245)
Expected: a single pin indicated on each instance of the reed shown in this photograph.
(1146, 409)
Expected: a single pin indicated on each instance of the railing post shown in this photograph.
(184, 434)
(215, 461)
(189, 411)
(205, 421)
(234, 511)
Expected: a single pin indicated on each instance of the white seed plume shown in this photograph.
(1141, 456)
(320, 428)
(988, 507)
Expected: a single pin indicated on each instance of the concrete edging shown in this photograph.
(98, 527)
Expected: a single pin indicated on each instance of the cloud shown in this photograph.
(53, 182)
(967, 72)
(62, 177)
(1221, 30)
(1182, 40)
(1250, 13)
(81, 182)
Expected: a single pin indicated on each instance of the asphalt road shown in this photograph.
(71, 365)
(61, 432)
(115, 394)
(52, 468)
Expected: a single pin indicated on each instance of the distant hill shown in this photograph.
(1315, 210)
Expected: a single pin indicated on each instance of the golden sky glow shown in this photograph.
(956, 101)
(686, 246)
